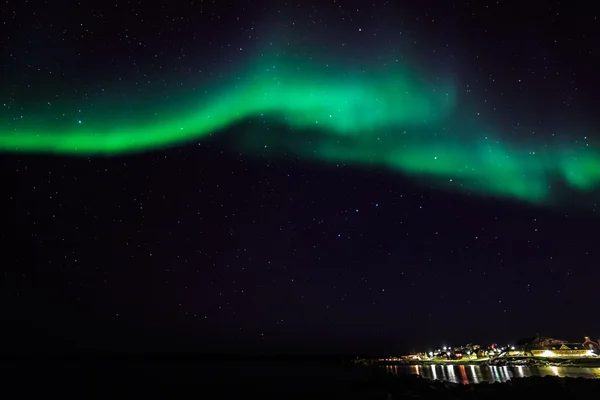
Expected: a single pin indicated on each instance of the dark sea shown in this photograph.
(227, 376)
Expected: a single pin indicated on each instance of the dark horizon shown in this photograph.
(114, 344)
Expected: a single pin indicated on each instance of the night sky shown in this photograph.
(297, 177)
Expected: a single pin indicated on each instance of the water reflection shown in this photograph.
(451, 374)
(519, 371)
(474, 377)
(488, 373)
(463, 375)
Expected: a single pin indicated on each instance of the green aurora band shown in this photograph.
(380, 117)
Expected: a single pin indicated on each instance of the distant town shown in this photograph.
(534, 350)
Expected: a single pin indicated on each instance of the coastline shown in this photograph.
(500, 361)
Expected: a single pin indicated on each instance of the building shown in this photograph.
(482, 353)
(564, 349)
(594, 347)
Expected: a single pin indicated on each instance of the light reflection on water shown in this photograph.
(488, 373)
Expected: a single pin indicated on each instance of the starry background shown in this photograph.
(200, 248)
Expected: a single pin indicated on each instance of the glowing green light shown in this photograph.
(381, 117)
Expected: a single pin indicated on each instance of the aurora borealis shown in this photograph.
(310, 177)
(388, 117)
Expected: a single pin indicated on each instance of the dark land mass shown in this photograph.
(234, 377)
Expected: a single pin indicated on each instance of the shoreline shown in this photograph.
(502, 361)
